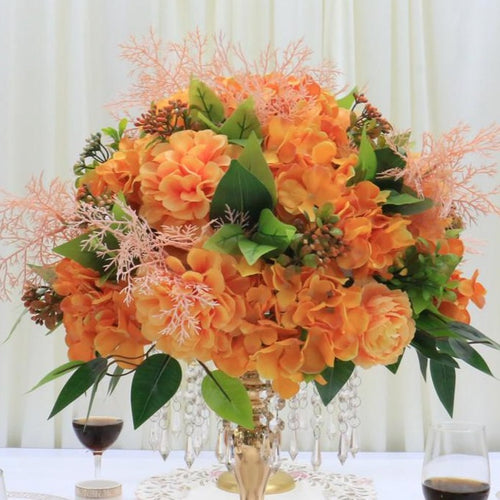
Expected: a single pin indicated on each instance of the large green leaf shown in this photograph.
(253, 251)
(115, 377)
(366, 168)
(444, 378)
(155, 381)
(58, 372)
(81, 380)
(228, 397)
(253, 160)
(394, 367)
(242, 122)
(423, 363)
(271, 231)
(226, 239)
(73, 249)
(241, 192)
(335, 377)
(204, 101)
(427, 346)
(467, 353)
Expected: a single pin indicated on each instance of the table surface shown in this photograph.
(55, 472)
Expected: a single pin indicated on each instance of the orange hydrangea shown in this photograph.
(96, 317)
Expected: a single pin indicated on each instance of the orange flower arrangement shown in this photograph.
(257, 222)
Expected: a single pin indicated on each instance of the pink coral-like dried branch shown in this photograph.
(31, 226)
(162, 70)
(441, 173)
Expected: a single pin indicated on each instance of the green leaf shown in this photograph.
(335, 377)
(423, 363)
(253, 251)
(228, 397)
(58, 372)
(155, 381)
(203, 101)
(81, 380)
(470, 333)
(122, 125)
(114, 379)
(396, 198)
(409, 208)
(434, 326)
(72, 249)
(367, 160)
(348, 100)
(468, 354)
(271, 231)
(242, 122)
(47, 273)
(427, 347)
(395, 366)
(242, 192)
(253, 160)
(15, 325)
(226, 239)
(444, 378)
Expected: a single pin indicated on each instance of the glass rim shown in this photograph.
(458, 426)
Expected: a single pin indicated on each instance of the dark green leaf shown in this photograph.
(204, 101)
(410, 208)
(228, 397)
(155, 381)
(81, 380)
(335, 377)
(253, 160)
(427, 347)
(434, 326)
(468, 354)
(58, 372)
(470, 333)
(253, 251)
(395, 366)
(226, 239)
(242, 192)
(443, 378)
(114, 379)
(423, 363)
(72, 249)
(242, 122)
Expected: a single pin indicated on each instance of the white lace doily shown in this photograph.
(15, 495)
(200, 484)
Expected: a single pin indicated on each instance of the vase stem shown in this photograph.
(252, 472)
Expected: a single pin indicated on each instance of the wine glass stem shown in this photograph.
(97, 464)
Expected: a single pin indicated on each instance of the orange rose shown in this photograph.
(390, 327)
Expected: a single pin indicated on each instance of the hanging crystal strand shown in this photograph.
(201, 419)
(293, 426)
(331, 427)
(343, 419)
(316, 422)
(276, 426)
(190, 413)
(159, 433)
(354, 404)
(221, 443)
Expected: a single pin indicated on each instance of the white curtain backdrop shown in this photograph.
(426, 64)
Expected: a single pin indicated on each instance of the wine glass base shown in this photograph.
(98, 488)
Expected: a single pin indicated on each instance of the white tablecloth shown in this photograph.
(396, 475)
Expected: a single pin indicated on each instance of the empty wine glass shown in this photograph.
(456, 464)
(98, 428)
(3, 491)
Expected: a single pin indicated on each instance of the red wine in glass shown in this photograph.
(452, 488)
(97, 433)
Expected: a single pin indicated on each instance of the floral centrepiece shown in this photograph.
(256, 221)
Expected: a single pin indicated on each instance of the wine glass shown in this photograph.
(98, 428)
(456, 464)
(3, 491)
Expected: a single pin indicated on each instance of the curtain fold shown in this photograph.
(426, 65)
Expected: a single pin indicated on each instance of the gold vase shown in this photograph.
(254, 454)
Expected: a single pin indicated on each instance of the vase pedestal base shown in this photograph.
(279, 482)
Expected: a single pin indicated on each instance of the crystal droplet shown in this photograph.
(316, 454)
(354, 446)
(164, 447)
(343, 448)
(189, 454)
(294, 449)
